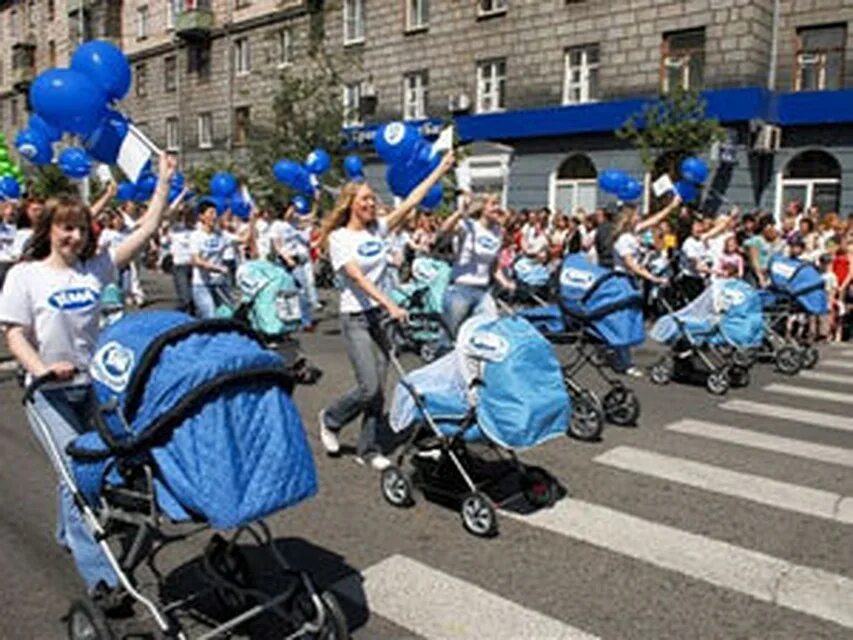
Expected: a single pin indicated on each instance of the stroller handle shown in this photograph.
(37, 383)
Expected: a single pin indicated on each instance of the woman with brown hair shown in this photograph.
(356, 241)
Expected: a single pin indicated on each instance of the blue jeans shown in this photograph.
(207, 297)
(620, 359)
(300, 274)
(460, 302)
(57, 416)
(182, 277)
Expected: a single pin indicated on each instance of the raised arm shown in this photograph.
(149, 223)
(656, 218)
(449, 223)
(104, 200)
(398, 216)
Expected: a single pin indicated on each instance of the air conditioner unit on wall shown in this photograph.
(459, 103)
(768, 139)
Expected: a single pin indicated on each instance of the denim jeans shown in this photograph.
(299, 273)
(182, 277)
(461, 302)
(57, 416)
(365, 346)
(207, 297)
(620, 359)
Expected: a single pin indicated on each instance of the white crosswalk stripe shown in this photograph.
(439, 606)
(779, 412)
(806, 392)
(764, 441)
(820, 376)
(838, 364)
(801, 588)
(781, 495)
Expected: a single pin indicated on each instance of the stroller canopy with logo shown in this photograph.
(800, 281)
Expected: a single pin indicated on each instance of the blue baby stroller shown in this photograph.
(712, 337)
(182, 442)
(796, 288)
(423, 297)
(499, 391)
(598, 310)
(532, 278)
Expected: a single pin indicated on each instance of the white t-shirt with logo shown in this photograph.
(695, 252)
(627, 244)
(369, 249)
(291, 239)
(211, 247)
(60, 306)
(7, 241)
(22, 238)
(182, 252)
(476, 256)
(111, 238)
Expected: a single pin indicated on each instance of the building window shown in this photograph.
(574, 185)
(284, 47)
(141, 77)
(812, 178)
(241, 125)
(417, 14)
(51, 9)
(353, 21)
(32, 13)
(491, 86)
(205, 130)
(352, 102)
(683, 60)
(198, 60)
(13, 109)
(142, 22)
(820, 58)
(51, 53)
(170, 73)
(491, 7)
(581, 75)
(415, 94)
(242, 56)
(173, 142)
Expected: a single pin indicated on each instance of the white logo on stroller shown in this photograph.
(784, 270)
(577, 278)
(733, 298)
(487, 346)
(112, 366)
(394, 133)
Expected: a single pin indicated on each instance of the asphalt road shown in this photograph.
(714, 518)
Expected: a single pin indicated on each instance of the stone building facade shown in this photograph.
(538, 86)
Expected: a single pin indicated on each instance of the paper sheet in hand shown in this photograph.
(444, 141)
(103, 172)
(463, 177)
(662, 185)
(134, 154)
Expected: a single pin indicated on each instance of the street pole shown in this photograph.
(774, 47)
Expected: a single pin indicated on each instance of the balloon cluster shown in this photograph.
(410, 159)
(11, 176)
(303, 178)
(694, 171)
(619, 183)
(226, 195)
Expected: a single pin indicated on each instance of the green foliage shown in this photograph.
(47, 180)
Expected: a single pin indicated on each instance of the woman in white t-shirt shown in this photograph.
(293, 250)
(50, 309)
(180, 234)
(358, 251)
(478, 240)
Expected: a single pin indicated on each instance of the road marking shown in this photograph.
(839, 364)
(9, 365)
(800, 588)
(813, 418)
(436, 605)
(781, 495)
(805, 392)
(767, 442)
(826, 377)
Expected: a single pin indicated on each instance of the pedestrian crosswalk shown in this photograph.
(838, 363)
(439, 604)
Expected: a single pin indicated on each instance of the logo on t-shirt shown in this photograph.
(488, 243)
(112, 365)
(73, 299)
(370, 249)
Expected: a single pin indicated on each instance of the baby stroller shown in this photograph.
(423, 298)
(598, 310)
(711, 337)
(532, 278)
(498, 392)
(112, 305)
(183, 443)
(796, 287)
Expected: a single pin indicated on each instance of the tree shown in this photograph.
(47, 181)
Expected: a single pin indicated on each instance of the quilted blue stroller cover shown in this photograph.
(212, 408)
(801, 281)
(272, 295)
(606, 301)
(548, 318)
(531, 272)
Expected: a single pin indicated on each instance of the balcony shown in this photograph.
(194, 21)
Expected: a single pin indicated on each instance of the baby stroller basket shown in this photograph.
(801, 281)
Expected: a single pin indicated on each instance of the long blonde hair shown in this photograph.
(626, 220)
(339, 215)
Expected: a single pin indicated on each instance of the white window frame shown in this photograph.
(353, 24)
(352, 100)
(170, 14)
(808, 183)
(417, 15)
(142, 16)
(204, 122)
(242, 53)
(585, 69)
(491, 7)
(489, 168)
(487, 76)
(235, 124)
(415, 92)
(173, 134)
(284, 42)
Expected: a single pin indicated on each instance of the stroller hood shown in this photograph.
(272, 296)
(531, 272)
(213, 409)
(605, 301)
(801, 281)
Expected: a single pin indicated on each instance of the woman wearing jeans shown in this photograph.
(359, 255)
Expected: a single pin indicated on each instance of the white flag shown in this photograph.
(444, 142)
(135, 152)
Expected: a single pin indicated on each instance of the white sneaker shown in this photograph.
(634, 372)
(328, 438)
(376, 460)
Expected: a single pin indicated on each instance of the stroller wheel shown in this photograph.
(587, 419)
(738, 376)
(599, 357)
(396, 487)
(718, 383)
(809, 357)
(478, 515)
(87, 622)
(335, 627)
(539, 487)
(661, 371)
(428, 351)
(788, 361)
(621, 406)
(742, 358)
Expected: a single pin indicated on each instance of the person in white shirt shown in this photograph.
(111, 236)
(8, 230)
(210, 273)
(358, 250)
(696, 262)
(180, 236)
(50, 310)
(293, 249)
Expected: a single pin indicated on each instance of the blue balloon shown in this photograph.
(354, 168)
(301, 204)
(68, 100)
(239, 207)
(103, 143)
(223, 184)
(294, 175)
(631, 190)
(105, 65)
(433, 197)
(145, 186)
(178, 181)
(74, 163)
(694, 169)
(216, 202)
(37, 123)
(125, 192)
(612, 180)
(10, 188)
(318, 162)
(395, 141)
(686, 190)
(33, 146)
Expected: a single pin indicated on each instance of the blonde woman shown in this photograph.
(358, 251)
